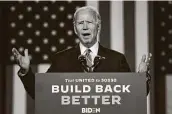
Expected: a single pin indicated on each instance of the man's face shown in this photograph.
(86, 27)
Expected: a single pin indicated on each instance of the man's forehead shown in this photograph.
(87, 12)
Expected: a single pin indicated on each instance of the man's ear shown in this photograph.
(98, 32)
(99, 27)
(74, 28)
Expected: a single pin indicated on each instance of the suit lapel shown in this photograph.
(77, 50)
(102, 64)
(101, 51)
(77, 66)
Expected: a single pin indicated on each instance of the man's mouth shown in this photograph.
(86, 34)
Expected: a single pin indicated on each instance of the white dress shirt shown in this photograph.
(94, 50)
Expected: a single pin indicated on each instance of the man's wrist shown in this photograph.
(23, 72)
(148, 77)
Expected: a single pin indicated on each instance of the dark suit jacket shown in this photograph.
(67, 61)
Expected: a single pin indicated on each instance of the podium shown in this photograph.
(90, 93)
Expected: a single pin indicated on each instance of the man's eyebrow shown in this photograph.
(85, 20)
(79, 20)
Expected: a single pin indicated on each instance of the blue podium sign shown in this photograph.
(87, 93)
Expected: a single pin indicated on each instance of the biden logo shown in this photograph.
(90, 110)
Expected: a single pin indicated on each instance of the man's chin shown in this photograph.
(87, 44)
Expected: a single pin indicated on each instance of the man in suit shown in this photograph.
(88, 55)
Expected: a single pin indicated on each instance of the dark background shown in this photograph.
(160, 41)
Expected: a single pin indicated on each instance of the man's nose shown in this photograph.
(85, 26)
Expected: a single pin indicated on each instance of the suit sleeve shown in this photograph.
(29, 80)
(29, 83)
(124, 67)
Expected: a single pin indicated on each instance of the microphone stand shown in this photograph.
(87, 68)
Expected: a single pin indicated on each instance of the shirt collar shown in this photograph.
(94, 48)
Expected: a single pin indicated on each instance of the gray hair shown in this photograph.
(98, 17)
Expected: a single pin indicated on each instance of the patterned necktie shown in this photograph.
(88, 57)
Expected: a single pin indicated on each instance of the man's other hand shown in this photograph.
(144, 65)
(22, 61)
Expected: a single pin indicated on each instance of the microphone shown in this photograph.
(83, 62)
(82, 58)
(97, 60)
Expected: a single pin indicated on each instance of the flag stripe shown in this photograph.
(93, 4)
(19, 94)
(148, 104)
(129, 30)
(2, 74)
(168, 94)
(104, 10)
(141, 33)
(9, 89)
(42, 68)
(141, 36)
(6, 106)
(151, 50)
(117, 32)
(2, 88)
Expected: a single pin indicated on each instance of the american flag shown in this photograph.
(133, 28)
(163, 56)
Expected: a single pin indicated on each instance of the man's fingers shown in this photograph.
(143, 58)
(26, 52)
(148, 58)
(15, 52)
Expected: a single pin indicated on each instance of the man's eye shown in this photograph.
(80, 23)
(90, 22)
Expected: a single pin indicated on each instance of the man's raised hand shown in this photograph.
(145, 63)
(23, 61)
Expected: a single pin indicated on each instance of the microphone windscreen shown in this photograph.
(81, 57)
